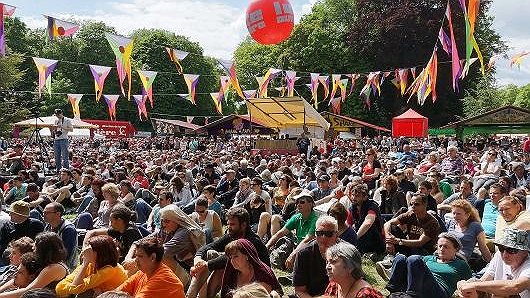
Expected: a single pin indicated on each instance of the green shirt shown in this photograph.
(446, 189)
(303, 227)
(448, 274)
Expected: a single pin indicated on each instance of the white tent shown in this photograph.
(50, 120)
(78, 132)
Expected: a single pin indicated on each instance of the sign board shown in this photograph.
(113, 129)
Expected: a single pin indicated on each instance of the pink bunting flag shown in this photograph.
(99, 73)
(189, 119)
(140, 104)
(74, 100)
(191, 82)
(445, 41)
(176, 56)
(111, 101)
(122, 48)
(45, 67)
(5, 10)
(353, 78)
(456, 67)
(290, 79)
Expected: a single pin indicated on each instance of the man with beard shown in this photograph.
(210, 261)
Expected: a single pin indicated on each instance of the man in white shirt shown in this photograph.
(508, 273)
(60, 130)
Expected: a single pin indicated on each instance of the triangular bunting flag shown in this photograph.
(176, 56)
(217, 103)
(45, 67)
(518, 59)
(313, 86)
(324, 80)
(122, 48)
(230, 67)
(290, 79)
(140, 104)
(147, 78)
(5, 10)
(334, 80)
(111, 101)
(99, 73)
(59, 28)
(191, 82)
(249, 94)
(74, 100)
(269, 75)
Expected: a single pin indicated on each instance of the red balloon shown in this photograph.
(270, 21)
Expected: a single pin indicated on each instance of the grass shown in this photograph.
(370, 273)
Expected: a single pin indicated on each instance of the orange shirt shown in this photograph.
(164, 283)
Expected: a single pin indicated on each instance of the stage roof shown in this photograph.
(50, 120)
(281, 112)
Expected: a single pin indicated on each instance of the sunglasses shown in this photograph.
(509, 250)
(327, 234)
(300, 202)
(415, 204)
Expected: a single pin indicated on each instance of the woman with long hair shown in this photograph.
(26, 271)
(51, 255)
(466, 226)
(370, 168)
(344, 267)
(280, 192)
(245, 267)
(436, 192)
(99, 269)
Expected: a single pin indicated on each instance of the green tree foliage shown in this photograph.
(487, 98)
(347, 36)
(89, 46)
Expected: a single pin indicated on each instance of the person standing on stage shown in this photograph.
(60, 130)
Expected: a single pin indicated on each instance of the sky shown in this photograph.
(219, 26)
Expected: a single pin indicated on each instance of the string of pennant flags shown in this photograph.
(423, 83)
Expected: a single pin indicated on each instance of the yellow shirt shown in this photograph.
(105, 279)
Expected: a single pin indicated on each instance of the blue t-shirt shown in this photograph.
(216, 206)
(448, 274)
(468, 237)
(489, 218)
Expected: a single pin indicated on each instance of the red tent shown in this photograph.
(410, 124)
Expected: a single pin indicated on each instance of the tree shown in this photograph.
(347, 36)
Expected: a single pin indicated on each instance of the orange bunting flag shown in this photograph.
(425, 82)
(140, 104)
(74, 100)
(518, 59)
(176, 56)
(111, 101)
(269, 75)
(403, 79)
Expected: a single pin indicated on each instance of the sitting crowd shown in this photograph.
(176, 217)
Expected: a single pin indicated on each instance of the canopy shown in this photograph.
(283, 112)
(50, 120)
(410, 124)
(77, 132)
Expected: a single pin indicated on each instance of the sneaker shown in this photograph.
(383, 271)
(387, 261)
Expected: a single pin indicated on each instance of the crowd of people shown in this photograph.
(200, 217)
